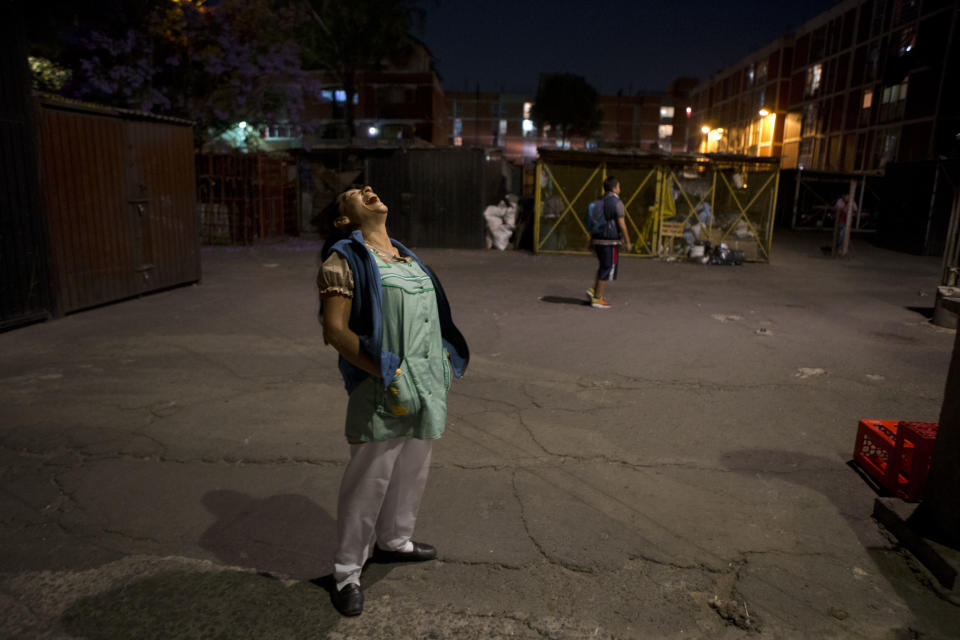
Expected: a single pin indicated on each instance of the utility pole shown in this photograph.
(938, 516)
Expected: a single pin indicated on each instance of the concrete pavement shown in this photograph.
(674, 467)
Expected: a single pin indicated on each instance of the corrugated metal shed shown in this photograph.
(119, 200)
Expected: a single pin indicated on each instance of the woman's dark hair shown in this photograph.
(329, 215)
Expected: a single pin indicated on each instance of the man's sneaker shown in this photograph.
(599, 303)
(590, 293)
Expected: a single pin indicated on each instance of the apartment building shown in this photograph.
(488, 119)
(865, 83)
(651, 121)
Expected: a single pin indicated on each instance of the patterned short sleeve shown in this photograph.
(335, 276)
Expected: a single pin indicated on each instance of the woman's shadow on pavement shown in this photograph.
(285, 535)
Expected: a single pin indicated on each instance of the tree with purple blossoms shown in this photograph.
(216, 63)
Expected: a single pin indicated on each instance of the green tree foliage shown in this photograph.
(567, 103)
(360, 35)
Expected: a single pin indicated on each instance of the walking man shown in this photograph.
(607, 243)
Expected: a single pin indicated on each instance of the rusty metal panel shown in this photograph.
(437, 196)
(166, 240)
(118, 195)
(24, 272)
(82, 171)
(244, 197)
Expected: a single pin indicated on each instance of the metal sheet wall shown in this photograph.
(161, 175)
(118, 195)
(437, 196)
(24, 280)
(245, 197)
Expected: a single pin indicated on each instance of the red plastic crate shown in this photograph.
(896, 454)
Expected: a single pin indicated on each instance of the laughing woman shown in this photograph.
(388, 318)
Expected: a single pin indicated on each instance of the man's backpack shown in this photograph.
(597, 223)
(595, 220)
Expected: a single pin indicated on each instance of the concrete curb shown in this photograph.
(941, 561)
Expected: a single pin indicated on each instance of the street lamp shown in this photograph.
(763, 113)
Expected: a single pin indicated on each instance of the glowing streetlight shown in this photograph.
(242, 125)
(704, 129)
(373, 131)
(763, 113)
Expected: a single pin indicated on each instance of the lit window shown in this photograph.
(527, 106)
(666, 113)
(889, 149)
(279, 132)
(457, 141)
(814, 77)
(340, 95)
(906, 40)
(528, 127)
(665, 130)
(327, 95)
(689, 111)
(750, 75)
(867, 98)
(457, 128)
(503, 127)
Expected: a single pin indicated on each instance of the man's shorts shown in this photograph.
(609, 256)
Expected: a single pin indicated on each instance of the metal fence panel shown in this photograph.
(245, 197)
(166, 245)
(808, 199)
(437, 196)
(671, 201)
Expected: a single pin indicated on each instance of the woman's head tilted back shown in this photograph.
(359, 207)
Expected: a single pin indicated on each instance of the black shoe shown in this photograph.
(349, 600)
(420, 553)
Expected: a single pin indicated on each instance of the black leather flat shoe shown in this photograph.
(349, 600)
(420, 553)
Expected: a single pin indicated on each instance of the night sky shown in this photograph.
(614, 44)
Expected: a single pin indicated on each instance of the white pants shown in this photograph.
(379, 499)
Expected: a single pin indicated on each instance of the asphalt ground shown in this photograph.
(673, 467)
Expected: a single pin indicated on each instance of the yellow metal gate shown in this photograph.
(672, 202)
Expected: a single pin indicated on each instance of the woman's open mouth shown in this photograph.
(370, 199)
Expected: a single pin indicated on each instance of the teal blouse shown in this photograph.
(414, 405)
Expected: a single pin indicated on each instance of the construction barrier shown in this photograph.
(673, 201)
